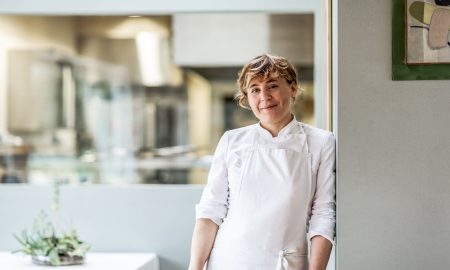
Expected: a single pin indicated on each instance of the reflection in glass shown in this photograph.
(133, 100)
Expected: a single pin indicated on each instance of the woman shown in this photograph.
(270, 184)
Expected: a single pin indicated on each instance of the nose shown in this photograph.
(264, 95)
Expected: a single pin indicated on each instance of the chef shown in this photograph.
(271, 187)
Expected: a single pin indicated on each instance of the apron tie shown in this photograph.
(283, 263)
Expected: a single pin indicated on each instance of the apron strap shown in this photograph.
(283, 263)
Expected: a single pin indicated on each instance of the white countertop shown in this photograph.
(94, 261)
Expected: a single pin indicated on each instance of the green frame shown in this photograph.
(400, 70)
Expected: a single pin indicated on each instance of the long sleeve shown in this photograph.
(214, 201)
(323, 213)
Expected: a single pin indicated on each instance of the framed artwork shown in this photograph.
(420, 39)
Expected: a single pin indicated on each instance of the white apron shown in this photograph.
(266, 223)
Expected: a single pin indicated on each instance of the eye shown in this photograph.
(254, 90)
(273, 86)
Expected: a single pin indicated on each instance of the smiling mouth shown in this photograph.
(268, 107)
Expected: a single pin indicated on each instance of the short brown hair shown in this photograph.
(263, 67)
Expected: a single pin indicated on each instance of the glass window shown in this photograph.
(134, 99)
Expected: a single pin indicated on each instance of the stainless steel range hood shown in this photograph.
(230, 40)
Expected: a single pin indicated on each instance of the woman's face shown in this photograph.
(271, 99)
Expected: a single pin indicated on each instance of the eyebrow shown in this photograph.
(269, 81)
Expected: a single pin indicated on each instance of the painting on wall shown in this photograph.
(427, 32)
(420, 39)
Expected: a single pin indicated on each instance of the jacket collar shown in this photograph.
(292, 127)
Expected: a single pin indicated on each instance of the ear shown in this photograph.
(294, 89)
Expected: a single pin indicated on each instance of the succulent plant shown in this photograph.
(44, 241)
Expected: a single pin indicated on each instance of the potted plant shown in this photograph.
(47, 245)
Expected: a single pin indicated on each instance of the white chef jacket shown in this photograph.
(216, 199)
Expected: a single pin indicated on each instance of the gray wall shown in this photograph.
(393, 159)
(147, 218)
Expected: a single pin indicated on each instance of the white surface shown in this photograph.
(94, 261)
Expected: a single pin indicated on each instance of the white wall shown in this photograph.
(393, 152)
(148, 218)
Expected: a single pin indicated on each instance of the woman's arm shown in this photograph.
(320, 253)
(202, 242)
(322, 223)
(212, 209)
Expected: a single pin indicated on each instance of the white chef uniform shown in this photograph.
(265, 193)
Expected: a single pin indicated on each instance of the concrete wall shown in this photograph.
(148, 218)
(393, 145)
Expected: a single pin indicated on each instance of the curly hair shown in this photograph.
(262, 67)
